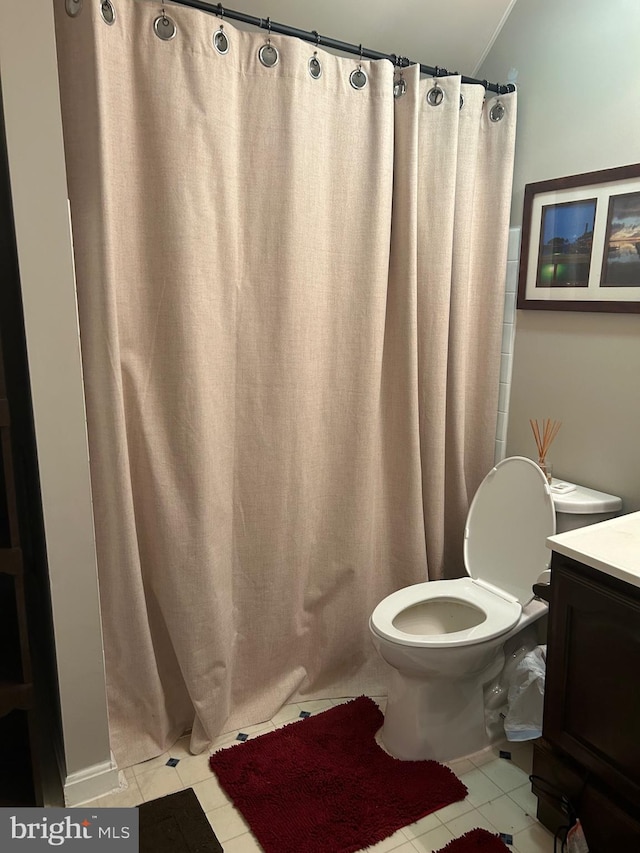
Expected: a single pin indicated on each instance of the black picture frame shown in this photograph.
(580, 247)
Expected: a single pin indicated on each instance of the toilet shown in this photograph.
(444, 639)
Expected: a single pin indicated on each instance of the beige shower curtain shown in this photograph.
(290, 297)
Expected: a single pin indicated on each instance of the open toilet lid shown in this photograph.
(509, 520)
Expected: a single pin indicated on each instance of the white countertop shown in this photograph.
(611, 546)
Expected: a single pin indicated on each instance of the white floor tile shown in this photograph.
(227, 823)
(480, 788)
(210, 794)
(393, 842)
(257, 729)
(159, 782)
(460, 766)
(286, 714)
(245, 843)
(224, 741)
(194, 768)
(521, 754)
(433, 840)
(125, 798)
(342, 701)
(534, 839)
(454, 810)
(526, 799)
(151, 764)
(425, 824)
(506, 815)
(315, 705)
(471, 820)
(378, 740)
(489, 754)
(506, 775)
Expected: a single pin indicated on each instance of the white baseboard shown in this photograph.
(90, 783)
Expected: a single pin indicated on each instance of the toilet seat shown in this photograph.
(500, 614)
(509, 520)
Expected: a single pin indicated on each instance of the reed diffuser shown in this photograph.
(544, 436)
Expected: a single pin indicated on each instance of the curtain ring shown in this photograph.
(358, 78)
(497, 111)
(108, 12)
(220, 40)
(164, 26)
(435, 95)
(314, 66)
(268, 54)
(73, 7)
(399, 85)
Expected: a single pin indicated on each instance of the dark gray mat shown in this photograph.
(176, 824)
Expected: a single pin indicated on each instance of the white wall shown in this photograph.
(28, 73)
(578, 78)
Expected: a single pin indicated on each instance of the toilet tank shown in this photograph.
(576, 506)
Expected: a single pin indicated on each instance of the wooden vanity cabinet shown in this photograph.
(590, 748)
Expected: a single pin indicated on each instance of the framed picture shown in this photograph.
(581, 242)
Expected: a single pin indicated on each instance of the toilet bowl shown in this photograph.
(444, 639)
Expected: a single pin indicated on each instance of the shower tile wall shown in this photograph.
(508, 336)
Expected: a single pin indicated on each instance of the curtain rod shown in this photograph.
(324, 41)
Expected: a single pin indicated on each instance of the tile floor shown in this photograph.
(499, 798)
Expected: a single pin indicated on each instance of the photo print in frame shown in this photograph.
(580, 248)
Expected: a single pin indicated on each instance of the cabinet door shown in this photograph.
(607, 825)
(592, 696)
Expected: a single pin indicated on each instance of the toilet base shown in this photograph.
(440, 718)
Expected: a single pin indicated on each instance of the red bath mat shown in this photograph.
(476, 841)
(323, 785)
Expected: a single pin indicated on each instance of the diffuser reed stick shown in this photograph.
(544, 435)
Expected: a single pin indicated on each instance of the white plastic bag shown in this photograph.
(496, 692)
(525, 696)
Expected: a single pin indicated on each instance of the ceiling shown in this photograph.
(454, 34)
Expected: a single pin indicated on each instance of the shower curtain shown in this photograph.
(290, 295)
